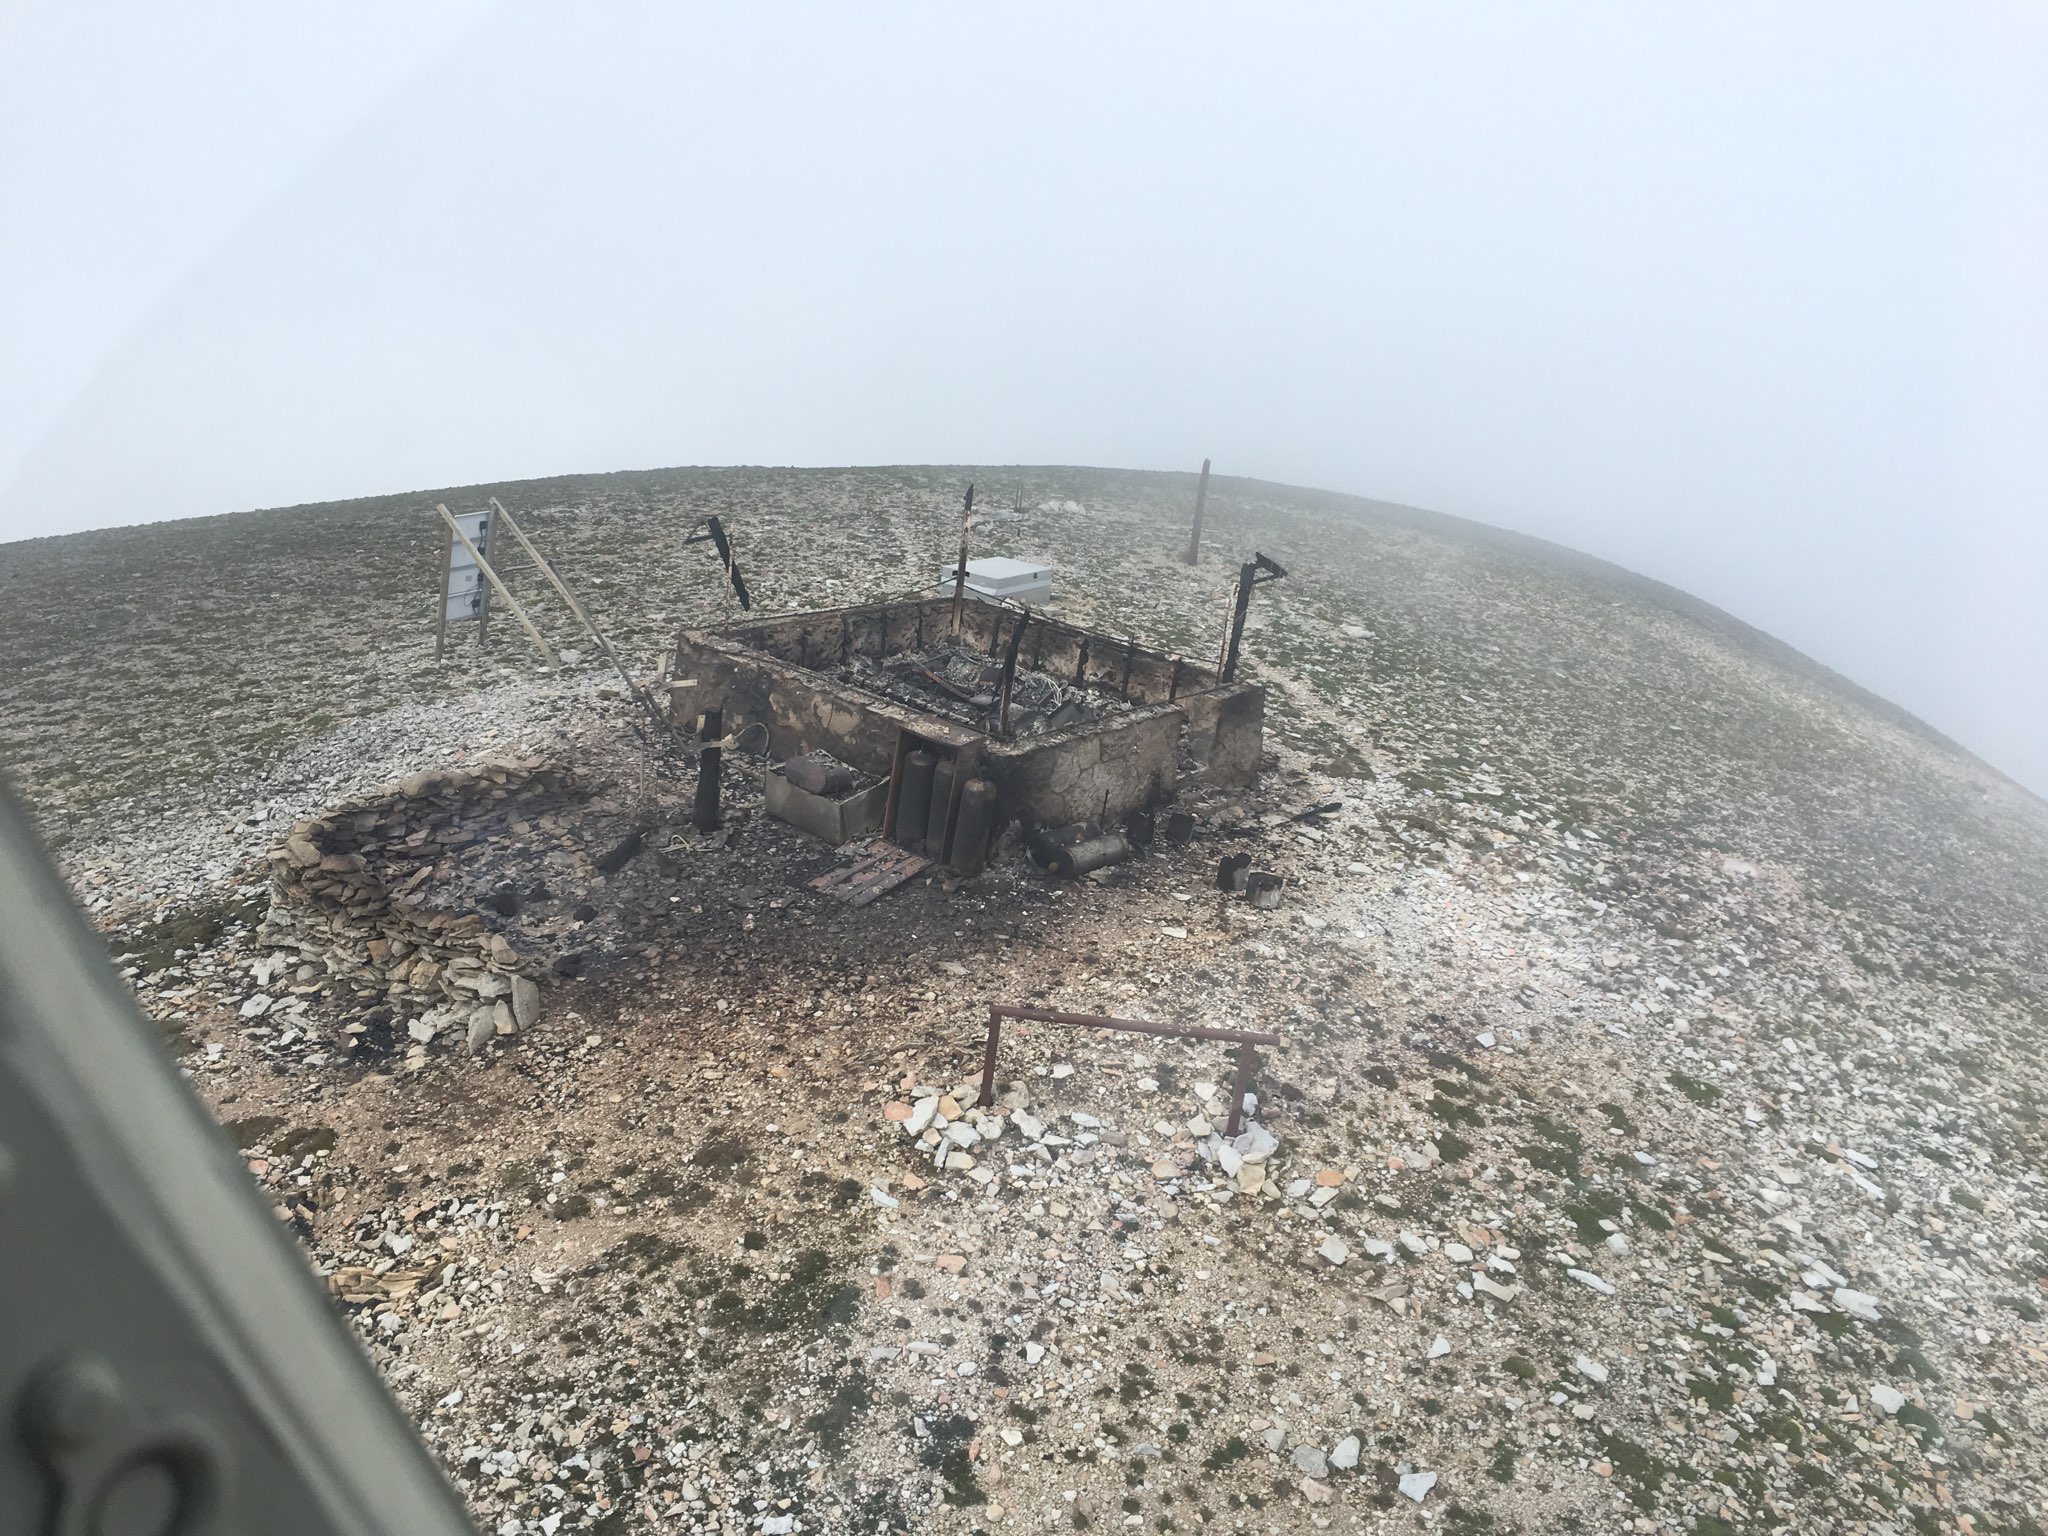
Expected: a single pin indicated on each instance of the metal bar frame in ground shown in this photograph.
(1244, 1039)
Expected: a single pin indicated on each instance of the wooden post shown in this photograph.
(541, 564)
(483, 608)
(705, 813)
(960, 571)
(1010, 675)
(441, 618)
(1192, 555)
(511, 602)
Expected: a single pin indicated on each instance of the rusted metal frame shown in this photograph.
(962, 694)
(1009, 674)
(1243, 1039)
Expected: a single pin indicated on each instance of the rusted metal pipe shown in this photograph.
(1245, 1062)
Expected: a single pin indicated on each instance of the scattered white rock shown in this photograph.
(1334, 1249)
(1889, 1398)
(1859, 1304)
(1344, 1454)
(1256, 1144)
(1591, 1281)
(1417, 1485)
(1439, 1347)
(1310, 1459)
(1591, 1369)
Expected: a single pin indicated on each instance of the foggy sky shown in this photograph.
(1750, 299)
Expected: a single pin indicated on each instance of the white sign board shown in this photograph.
(465, 592)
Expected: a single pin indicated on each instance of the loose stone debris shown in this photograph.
(1640, 952)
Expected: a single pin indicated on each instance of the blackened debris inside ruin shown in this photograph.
(965, 685)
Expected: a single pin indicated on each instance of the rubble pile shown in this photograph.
(361, 892)
(963, 1140)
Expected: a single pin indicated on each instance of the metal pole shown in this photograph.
(1245, 578)
(1140, 1026)
(988, 1057)
(1245, 1062)
(1010, 674)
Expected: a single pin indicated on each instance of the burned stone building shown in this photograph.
(1015, 715)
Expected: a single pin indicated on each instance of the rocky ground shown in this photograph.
(1657, 1143)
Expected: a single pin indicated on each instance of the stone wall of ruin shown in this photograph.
(763, 673)
(350, 889)
(825, 639)
(1227, 732)
(1104, 772)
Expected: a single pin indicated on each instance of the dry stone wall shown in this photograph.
(355, 890)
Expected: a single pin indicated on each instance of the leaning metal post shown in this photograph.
(988, 1057)
(1246, 1061)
